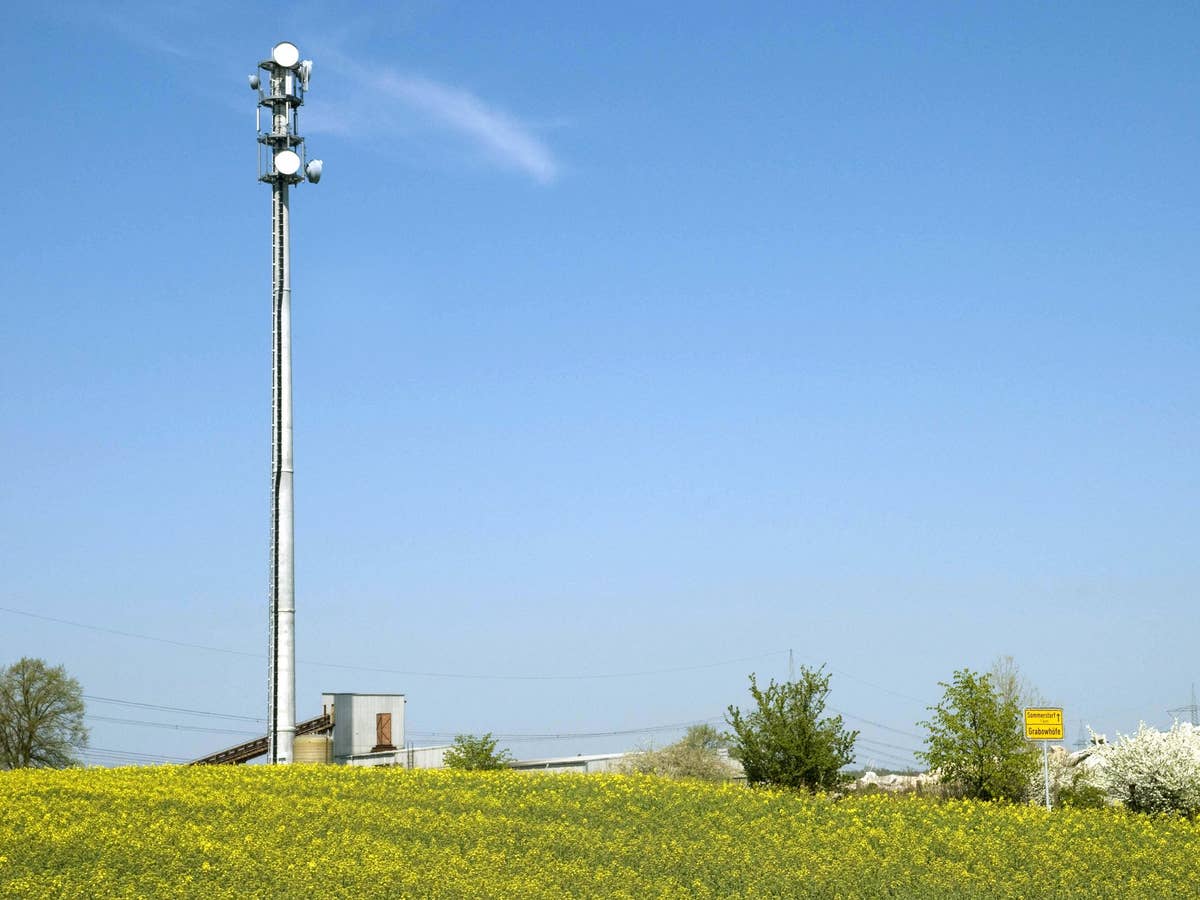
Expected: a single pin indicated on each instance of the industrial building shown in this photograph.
(352, 730)
(368, 730)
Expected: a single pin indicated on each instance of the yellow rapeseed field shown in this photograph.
(342, 832)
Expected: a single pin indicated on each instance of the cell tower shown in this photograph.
(279, 165)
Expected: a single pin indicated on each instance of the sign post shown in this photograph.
(1045, 725)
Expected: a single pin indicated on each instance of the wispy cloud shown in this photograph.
(141, 33)
(502, 136)
(384, 95)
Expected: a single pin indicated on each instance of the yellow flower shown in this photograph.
(338, 832)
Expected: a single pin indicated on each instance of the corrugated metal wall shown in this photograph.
(356, 723)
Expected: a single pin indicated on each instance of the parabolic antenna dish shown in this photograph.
(287, 162)
(285, 54)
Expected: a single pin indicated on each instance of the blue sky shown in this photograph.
(628, 338)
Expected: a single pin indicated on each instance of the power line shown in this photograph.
(564, 735)
(129, 634)
(883, 761)
(876, 756)
(870, 742)
(866, 747)
(541, 677)
(131, 754)
(457, 675)
(877, 724)
(872, 746)
(517, 737)
(120, 759)
(483, 676)
(180, 709)
(514, 737)
(878, 687)
(146, 724)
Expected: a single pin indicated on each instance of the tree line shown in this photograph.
(786, 739)
(974, 742)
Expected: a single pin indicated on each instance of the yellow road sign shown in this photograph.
(1044, 724)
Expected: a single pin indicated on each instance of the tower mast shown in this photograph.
(280, 166)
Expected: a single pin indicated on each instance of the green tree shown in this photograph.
(786, 740)
(696, 755)
(976, 742)
(471, 752)
(41, 716)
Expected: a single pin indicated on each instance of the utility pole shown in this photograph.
(1192, 709)
(279, 165)
(1083, 740)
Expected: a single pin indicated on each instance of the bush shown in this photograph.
(476, 753)
(1072, 785)
(787, 741)
(1155, 771)
(1081, 793)
(696, 755)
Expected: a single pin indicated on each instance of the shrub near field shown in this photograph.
(342, 832)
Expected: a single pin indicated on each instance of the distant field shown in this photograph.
(342, 832)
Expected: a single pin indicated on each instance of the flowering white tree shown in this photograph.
(1155, 771)
(696, 755)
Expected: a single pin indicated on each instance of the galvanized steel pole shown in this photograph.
(1046, 769)
(282, 629)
